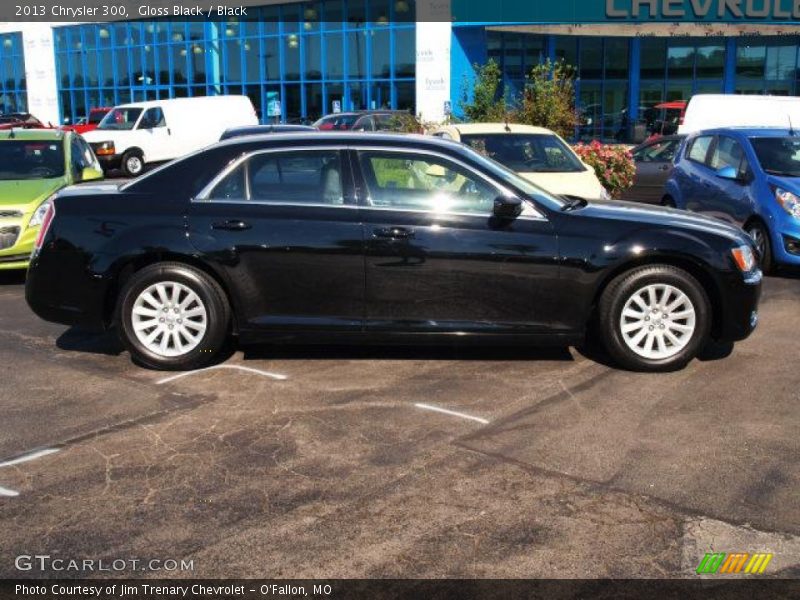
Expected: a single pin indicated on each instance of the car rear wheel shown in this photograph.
(655, 318)
(173, 317)
(132, 164)
(760, 237)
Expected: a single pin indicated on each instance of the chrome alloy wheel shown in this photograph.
(169, 319)
(757, 235)
(658, 321)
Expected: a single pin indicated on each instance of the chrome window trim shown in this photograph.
(235, 163)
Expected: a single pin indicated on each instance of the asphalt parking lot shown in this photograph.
(338, 462)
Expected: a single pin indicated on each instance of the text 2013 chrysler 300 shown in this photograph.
(355, 237)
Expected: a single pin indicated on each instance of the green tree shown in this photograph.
(549, 98)
(487, 102)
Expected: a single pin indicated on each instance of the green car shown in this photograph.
(34, 165)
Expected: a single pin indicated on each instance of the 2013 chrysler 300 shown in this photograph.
(321, 237)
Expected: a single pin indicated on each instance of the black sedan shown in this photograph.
(382, 238)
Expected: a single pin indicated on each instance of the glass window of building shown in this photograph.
(13, 84)
(358, 52)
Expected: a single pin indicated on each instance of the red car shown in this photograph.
(84, 125)
(20, 121)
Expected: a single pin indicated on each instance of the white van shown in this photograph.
(711, 111)
(132, 135)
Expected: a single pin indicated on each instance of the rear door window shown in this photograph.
(311, 177)
(698, 149)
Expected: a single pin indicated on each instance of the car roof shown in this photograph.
(34, 135)
(751, 131)
(477, 128)
(411, 140)
(362, 113)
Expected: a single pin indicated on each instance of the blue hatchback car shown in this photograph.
(750, 177)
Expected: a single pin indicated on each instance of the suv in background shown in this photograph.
(746, 176)
(370, 120)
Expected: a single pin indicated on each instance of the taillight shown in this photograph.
(46, 220)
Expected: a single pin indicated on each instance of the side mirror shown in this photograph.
(507, 207)
(728, 173)
(90, 174)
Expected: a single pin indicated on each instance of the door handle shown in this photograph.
(231, 225)
(664, 168)
(394, 233)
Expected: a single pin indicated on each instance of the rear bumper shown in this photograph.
(60, 290)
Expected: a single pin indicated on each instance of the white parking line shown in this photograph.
(451, 413)
(8, 493)
(276, 376)
(29, 457)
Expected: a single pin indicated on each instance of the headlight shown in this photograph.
(744, 258)
(105, 149)
(789, 201)
(38, 214)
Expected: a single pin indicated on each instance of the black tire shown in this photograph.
(210, 294)
(132, 164)
(668, 202)
(760, 236)
(623, 288)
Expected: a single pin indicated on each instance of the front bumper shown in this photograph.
(739, 310)
(16, 243)
(786, 241)
(110, 162)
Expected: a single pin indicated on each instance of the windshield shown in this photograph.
(526, 152)
(26, 159)
(778, 156)
(336, 122)
(96, 116)
(508, 176)
(120, 118)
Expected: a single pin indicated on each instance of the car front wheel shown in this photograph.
(655, 318)
(760, 236)
(173, 317)
(132, 164)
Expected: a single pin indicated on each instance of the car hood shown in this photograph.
(662, 217)
(583, 184)
(26, 194)
(103, 135)
(790, 184)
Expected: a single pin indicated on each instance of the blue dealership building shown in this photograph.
(316, 57)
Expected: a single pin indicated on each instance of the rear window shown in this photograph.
(525, 152)
(185, 177)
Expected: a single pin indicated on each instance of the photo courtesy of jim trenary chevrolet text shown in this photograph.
(366, 299)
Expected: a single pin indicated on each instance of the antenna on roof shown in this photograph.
(505, 118)
(791, 126)
(12, 134)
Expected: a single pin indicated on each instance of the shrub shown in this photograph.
(487, 103)
(549, 98)
(613, 165)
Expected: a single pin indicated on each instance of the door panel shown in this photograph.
(293, 253)
(438, 261)
(730, 200)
